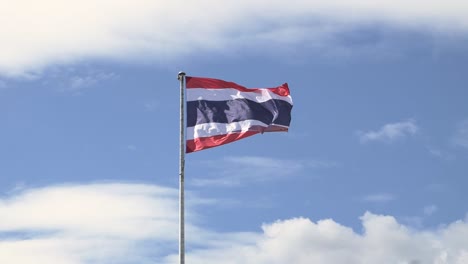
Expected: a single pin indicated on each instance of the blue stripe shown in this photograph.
(269, 112)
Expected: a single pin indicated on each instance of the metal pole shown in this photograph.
(181, 78)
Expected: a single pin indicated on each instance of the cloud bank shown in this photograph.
(36, 34)
(137, 223)
(383, 240)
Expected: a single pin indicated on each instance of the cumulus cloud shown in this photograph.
(137, 223)
(40, 33)
(302, 241)
(390, 132)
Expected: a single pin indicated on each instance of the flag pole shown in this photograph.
(181, 78)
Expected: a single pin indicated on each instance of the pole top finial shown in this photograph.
(180, 75)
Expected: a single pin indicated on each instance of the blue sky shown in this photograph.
(373, 169)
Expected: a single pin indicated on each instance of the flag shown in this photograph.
(220, 112)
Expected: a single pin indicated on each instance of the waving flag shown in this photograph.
(220, 112)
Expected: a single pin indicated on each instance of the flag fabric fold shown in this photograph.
(220, 112)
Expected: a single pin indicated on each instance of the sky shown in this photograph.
(373, 169)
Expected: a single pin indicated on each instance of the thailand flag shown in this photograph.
(220, 112)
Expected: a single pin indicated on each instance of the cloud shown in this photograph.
(436, 188)
(234, 170)
(103, 223)
(379, 197)
(131, 147)
(137, 223)
(79, 82)
(444, 155)
(390, 132)
(152, 105)
(50, 32)
(461, 135)
(302, 241)
(430, 209)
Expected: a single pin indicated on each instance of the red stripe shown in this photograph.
(210, 83)
(214, 141)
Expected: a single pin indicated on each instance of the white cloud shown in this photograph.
(444, 155)
(390, 132)
(137, 223)
(302, 241)
(461, 135)
(79, 82)
(40, 33)
(87, 209)
(233, 171)
(379, 197)
(85, 223)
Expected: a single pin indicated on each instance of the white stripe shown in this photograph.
(261, 95)
(215, 129)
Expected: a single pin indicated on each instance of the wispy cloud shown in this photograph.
(461, 134)
(85, 223)
(79, 82)
(147, 29)
(137, 223)
(151, 106)
(441, 154)
(430, 209)
(131, 147)
(390, 132)
(436, 187)
(379, 197)
(417, 221)
(232, 171)
(93, 223)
